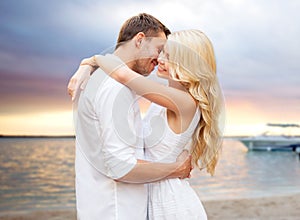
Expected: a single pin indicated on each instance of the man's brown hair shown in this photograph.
(143, 22)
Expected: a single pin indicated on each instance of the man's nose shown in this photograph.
(160, 60)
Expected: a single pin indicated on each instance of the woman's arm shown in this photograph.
(82, 75)
(176, 100)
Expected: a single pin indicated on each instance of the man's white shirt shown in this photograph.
(108, 143)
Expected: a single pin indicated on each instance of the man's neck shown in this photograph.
(125, 54)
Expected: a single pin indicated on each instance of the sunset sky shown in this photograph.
(42, 42)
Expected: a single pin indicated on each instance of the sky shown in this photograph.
(256, 43)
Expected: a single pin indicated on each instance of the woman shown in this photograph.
(192, 109)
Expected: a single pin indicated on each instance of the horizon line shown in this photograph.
(35, 136)
(74, 136)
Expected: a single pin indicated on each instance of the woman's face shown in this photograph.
(163, 64)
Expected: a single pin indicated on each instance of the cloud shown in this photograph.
(37, 34)
(31, 94)
(256, 45)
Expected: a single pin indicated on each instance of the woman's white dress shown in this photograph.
(172, 198)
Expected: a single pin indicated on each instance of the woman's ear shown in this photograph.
(139, 37)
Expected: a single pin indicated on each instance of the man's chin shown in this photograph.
(146, 74)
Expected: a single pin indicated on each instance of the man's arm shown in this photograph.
(113, 137)
(145, 171)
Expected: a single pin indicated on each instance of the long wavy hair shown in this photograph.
(192, 62)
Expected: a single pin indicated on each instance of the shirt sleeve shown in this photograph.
(116, 128)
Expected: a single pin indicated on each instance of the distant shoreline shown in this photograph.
(37, 136)
(73, 136)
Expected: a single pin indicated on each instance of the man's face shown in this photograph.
(148, 54)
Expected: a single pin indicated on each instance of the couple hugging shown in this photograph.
(132, 168)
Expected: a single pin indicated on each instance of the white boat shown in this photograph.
(273, 142)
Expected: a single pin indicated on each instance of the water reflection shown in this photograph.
(39, 174)
(242, 174)
(35, 173)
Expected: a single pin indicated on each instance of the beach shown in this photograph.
(276, 207)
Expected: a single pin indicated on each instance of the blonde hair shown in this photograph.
(192, 62)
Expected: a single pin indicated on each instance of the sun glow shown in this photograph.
(44, 123)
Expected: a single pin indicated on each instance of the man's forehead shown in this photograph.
(159, 40)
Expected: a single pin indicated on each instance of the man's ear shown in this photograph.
(139, 37)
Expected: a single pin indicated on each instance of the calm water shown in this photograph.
(39, 174)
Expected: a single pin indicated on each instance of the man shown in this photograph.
(109, 166)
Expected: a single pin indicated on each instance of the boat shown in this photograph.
(269, 141)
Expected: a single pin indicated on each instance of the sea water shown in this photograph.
(38, 174)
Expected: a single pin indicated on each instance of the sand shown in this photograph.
(277, 207)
